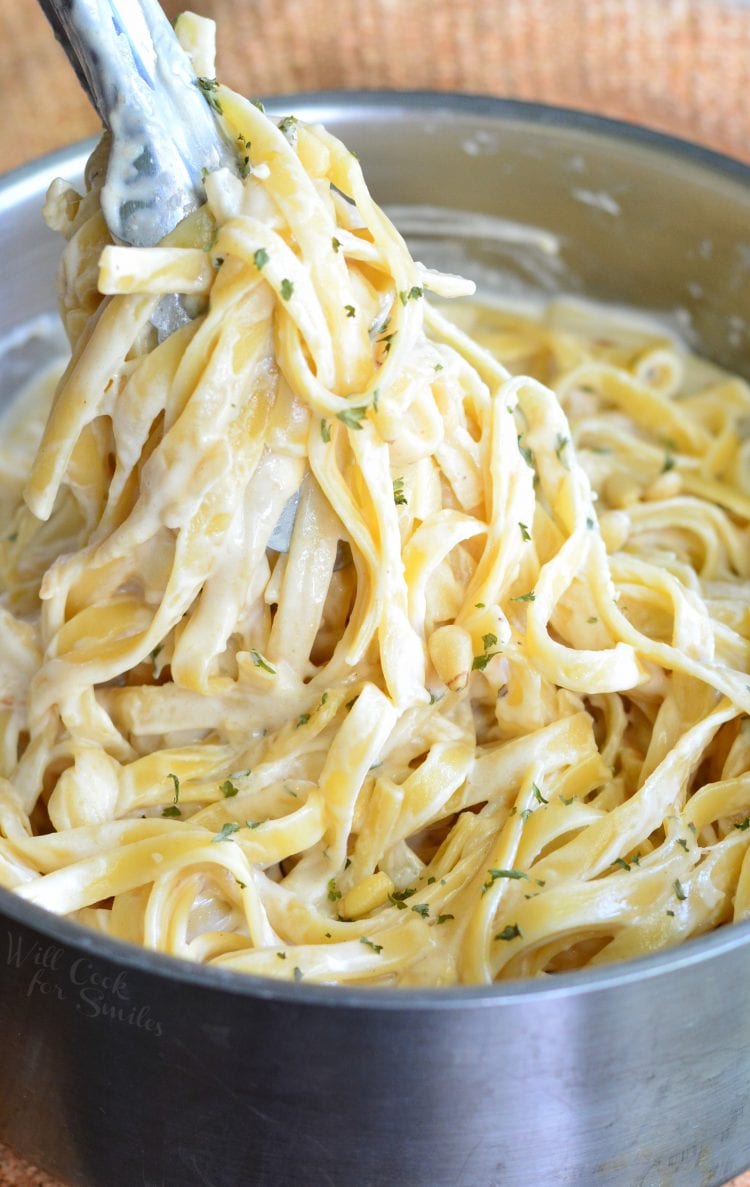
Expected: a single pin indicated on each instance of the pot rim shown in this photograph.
(22, 182)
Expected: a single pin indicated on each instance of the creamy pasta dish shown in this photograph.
(485, 717)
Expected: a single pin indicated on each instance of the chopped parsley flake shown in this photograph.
(281, 955)
(743, 825)
(172, 810)
(377, 948)
(538, 795)
(288, 128)
(509, 933)
(495, 874)
(244, 163)
(525, 533)
(421, 909)
(620, 861)
(208, 87)
(260, 258)
(679, 890)
(525, 452)
(302, 720)
(176, 783)
(412, 294)
(325, 431)
(488, 641)
(669, 463)
(334, 894)
(286, 289)
(399, 496)
(350, 311)
(443, 919)
(590, 523)
(479, 662)
(297, 974)
(229, 789)
(683, 842)
(352, 417)
(336, 244)
(527, 597)
(259, 662)
(227, 830)
(562, 445)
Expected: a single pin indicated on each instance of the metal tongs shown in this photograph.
(164, 135)
(142, 84)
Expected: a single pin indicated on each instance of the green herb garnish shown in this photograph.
(229, 789)
(227, 830)
(479, 662)
(260, 258)
(378, 948)
(399, 496)
(286, 289)
(509, 933)
(352, 417)
(259, 662)
(412, 294)
(495, 874)
(288, 128)
(208, 87)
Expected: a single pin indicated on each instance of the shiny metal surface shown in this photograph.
(142, 84)
(123, 1068)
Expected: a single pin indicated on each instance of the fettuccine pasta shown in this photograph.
(486, 718)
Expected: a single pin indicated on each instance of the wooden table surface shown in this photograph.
(682, 66)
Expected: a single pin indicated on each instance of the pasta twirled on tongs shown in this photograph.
(487, 718)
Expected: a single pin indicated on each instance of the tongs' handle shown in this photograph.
(141, 82)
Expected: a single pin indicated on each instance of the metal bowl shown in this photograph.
(124, 1067)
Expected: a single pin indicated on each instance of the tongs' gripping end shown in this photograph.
(50, 10)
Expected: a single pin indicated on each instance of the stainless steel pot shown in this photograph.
(122, 1067)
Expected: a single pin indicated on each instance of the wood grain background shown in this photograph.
(681, 66)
